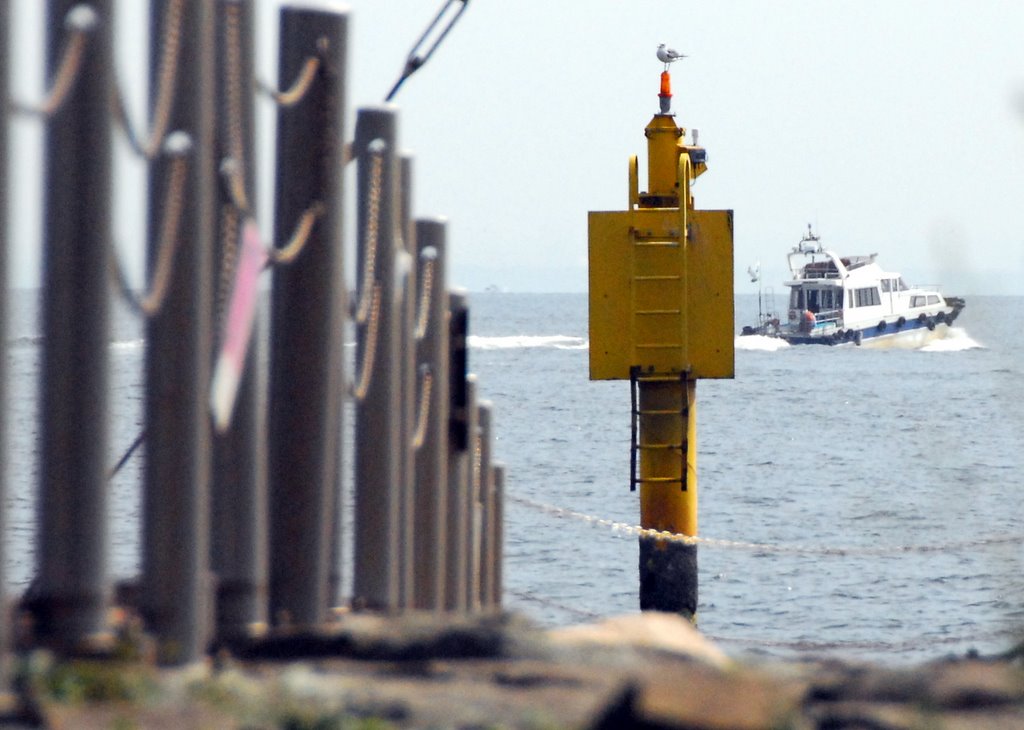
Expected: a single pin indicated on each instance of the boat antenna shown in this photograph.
(755, 276)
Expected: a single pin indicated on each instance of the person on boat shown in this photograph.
(809, 319)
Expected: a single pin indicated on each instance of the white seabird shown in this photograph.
(668, 55)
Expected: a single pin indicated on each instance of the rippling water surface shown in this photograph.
(865, 503)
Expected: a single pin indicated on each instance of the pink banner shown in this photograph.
(237, 328)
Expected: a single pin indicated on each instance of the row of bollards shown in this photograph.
(241, 517)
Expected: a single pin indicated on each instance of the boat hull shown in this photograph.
(907, 334)
(910, 338)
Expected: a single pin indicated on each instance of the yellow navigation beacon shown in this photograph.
(661, 316)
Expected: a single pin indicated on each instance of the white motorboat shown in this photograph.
(837, 300)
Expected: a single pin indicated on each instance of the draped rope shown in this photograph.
(80, 21)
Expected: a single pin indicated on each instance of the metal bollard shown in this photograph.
(308, 320)
(406, 365)
(4, 95)
(239, 482)
(431, 498)
(472, 520)
(497, 571)
(71, 592)
(485, 587)
(378, 441)
(176, 599)
(456, 596)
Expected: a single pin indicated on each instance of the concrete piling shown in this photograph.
(431, 496)
(71, 591)
(308, 319)
(376, 581)
(176, 591)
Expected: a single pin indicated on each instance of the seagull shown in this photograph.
(668, 55)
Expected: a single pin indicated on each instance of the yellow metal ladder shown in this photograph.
(657, 289)
(644, 421)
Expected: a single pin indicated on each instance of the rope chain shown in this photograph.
(299, 88)
(167, 246)
(369, 347)
(627, 529)
(167, 80)
(80, 21)
(423, 412)
(300, 237)
(229, 257)
(235, 171)
(426, 293)
(370, 245)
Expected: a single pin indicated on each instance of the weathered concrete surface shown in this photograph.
(643, 671)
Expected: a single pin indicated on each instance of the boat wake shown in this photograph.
(516, 342)
(956, 340)
(760, 343)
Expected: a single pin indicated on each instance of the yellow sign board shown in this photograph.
(661, 293)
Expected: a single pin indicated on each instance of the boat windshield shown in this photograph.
(815, 299)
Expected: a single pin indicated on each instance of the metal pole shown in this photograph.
(497, 584)
(176, 596)
(456, 596)
(431, 499)
(72, 591)
(472, 519)
(406, 364)
(308, 320)
(239, 483)
(4, 97)
(668, 494)
(378, 434)
(485, 415)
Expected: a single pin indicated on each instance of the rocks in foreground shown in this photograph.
(647, 670)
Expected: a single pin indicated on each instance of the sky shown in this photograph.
(894, 128)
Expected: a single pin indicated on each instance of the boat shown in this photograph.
(852, 300)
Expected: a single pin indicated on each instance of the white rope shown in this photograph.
(794, 549)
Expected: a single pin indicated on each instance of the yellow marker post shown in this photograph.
(661, 316)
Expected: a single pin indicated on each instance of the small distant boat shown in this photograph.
(838, 300)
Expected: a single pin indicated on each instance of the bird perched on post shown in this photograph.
(668, 55)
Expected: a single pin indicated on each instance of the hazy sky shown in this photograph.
(894, 127)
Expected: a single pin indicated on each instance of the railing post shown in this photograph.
(485, 414)
(406, 364)
(308, 320)
(378, 433)
(239, 482)
(177, 595)
(4, 105)
(71, 593)
(472, 520)
(456, 595)
(498, 571)
(431, 498)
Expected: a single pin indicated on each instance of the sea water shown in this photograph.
(862, 503)
(859, 503)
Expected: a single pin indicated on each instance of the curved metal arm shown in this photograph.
(415, 61)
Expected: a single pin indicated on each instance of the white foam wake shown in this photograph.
(512, 342)
(955, 339)
(760, 343)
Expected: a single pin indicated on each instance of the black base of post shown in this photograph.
(668, 576)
